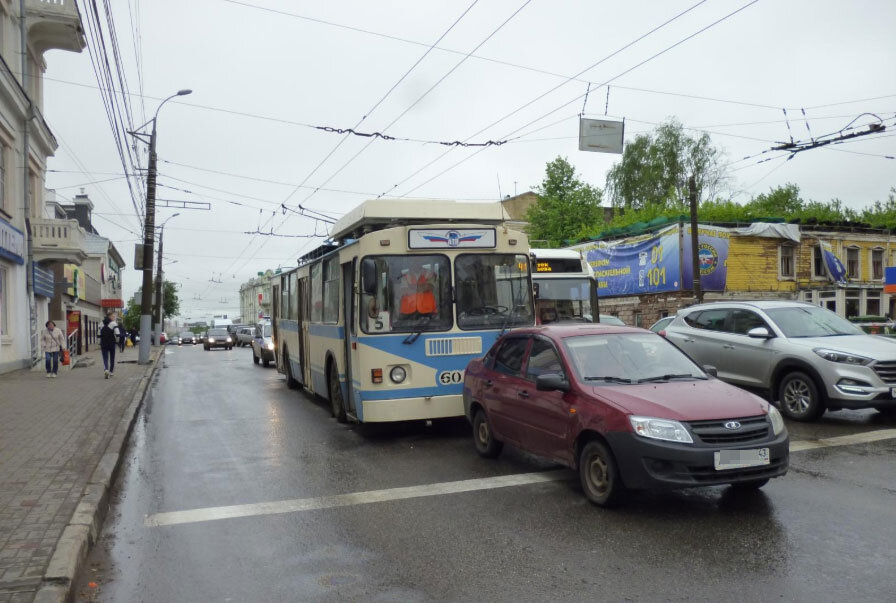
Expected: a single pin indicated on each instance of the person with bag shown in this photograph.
(108, 342)
(52, 341)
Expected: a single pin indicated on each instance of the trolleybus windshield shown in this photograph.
(410, 293)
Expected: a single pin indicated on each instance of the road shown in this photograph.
(218, 431)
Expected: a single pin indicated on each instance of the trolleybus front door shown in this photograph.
(351, 336)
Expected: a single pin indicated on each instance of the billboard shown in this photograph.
(712, 245)
(642, 264)
(601, 135)
(75, 284)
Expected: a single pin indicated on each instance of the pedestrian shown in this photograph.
(122, 338)
(133, 337)
(53, 342)
(108, 342)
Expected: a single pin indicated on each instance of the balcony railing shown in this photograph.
(62, 240)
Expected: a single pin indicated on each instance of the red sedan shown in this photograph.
(624, 407)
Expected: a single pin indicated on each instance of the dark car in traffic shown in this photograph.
(187, 337)
(218, 338)
(625, 408)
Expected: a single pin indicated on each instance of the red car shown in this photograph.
(624, 407)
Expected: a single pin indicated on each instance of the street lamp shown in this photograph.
(159, 305)
(148, 232)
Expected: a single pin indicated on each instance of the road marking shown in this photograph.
(468, 485)
(846, 440)
(354, 498)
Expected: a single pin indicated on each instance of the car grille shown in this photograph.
(886, 371)
(752, 429)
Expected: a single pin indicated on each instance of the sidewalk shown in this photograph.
(53, 435)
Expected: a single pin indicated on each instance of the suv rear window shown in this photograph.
(711, 320)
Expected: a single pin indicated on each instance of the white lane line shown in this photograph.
(354, 498)
(846, 440)
(469, 485)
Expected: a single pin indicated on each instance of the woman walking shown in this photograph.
(108, 342)
(53, 342)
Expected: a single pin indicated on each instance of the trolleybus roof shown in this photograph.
(377, 214)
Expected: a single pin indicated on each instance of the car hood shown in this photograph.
(700, 400)
(870, 346)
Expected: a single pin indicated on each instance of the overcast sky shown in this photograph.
(284, 71)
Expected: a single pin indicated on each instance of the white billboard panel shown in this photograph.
(601, 135)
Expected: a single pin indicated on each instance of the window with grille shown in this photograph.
(852, 262)
(787, 261)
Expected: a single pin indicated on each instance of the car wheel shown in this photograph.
(254, 357)
(887, 411)
(486, 444)
(336, 402)
(291, 382)
(206, 348)
(266, 363)
(599, 475)
(753, 484)
(799, 397)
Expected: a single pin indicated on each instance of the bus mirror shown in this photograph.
(368, 276)
(535, 289)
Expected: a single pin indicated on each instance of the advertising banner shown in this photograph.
(890, 279)
(642, 264)
(713, 254)
(75, 282)
(73, 321)
(833, 265)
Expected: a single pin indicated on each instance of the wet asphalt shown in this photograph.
(218, 430)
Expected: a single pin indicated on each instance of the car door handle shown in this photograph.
(523, 394)
(728, 346)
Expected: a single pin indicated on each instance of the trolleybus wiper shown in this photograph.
(412, 337)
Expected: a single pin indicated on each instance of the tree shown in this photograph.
(655, 168)
(566, 206)
(170, 306)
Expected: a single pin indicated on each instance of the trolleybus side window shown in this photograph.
(316, 293)
(406, 293)
(293, 297)
(331, 290)
(493, 290)
(284, 298)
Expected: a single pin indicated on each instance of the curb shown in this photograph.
(83, 529)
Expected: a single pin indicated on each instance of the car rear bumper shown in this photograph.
(654, 464)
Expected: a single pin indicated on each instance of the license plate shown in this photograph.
(737, 459)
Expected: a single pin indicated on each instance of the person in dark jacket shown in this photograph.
(109, 334)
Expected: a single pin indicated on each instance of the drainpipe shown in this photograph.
(29, 244)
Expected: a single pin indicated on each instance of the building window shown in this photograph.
(818, 270)
(852, 262)
(872, 304)
(877, 264)
(786, 264)
(638, 319)
(4, 299)
(852, 302)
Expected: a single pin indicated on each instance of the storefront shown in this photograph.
(14, 317)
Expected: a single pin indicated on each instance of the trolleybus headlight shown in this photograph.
(397, 374)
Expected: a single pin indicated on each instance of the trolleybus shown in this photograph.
(565, 287)
(383, 320)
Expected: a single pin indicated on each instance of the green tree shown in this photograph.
(566, 206)
(655, 167)
(131, 317)
(170, 306)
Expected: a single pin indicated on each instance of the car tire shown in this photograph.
(254, 357)
(266, 363)
(599, 475)
(799, 397)
(337, 404)
(291, 382)
(206, 348)
(887, 411)
(753, 484)
(483, 437)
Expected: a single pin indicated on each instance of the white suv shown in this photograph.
(809, 358)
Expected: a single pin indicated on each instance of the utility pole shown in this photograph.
(158, 310)
(695, 249)
(149, 227)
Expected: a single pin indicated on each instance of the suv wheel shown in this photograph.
(799, 397)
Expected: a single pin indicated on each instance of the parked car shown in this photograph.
(218, 338)
(807, 357)
(624, 407)
(661, 324)
(187, 337)
(245, 336)
(609, 319)
(174, 340)
(234, 330)
(262, 344)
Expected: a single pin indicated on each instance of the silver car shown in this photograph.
(810, 359)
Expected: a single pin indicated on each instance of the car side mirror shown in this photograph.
(550, 382)
(759, 333)
(368, 276)
(710, 370)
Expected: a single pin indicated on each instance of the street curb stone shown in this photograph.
(83, 530)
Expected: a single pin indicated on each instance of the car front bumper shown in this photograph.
(654, 464)
(266, 354)
(218, 344)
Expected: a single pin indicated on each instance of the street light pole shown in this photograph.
(160, 284)
(148, 235)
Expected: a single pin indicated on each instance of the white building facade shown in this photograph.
(25, 144)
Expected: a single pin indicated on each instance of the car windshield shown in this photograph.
(811, 321)
(493, 290)
(629, 358)
(186, 334)
(411, 293)
(563, 299)
(218, 333)
(266, 332)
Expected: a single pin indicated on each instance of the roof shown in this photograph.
(95, 244)
(575, 329)
(762, 304)
(384, 213)
(556, 254)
